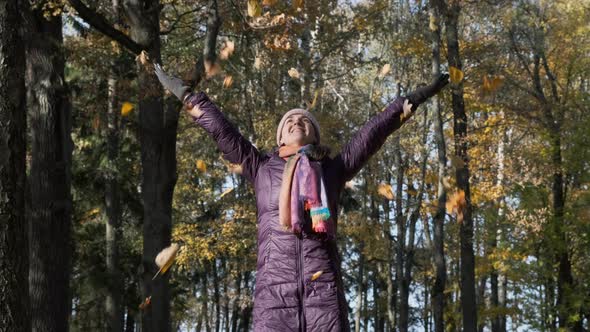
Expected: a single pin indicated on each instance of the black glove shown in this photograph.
(171, 83)
(421, 94)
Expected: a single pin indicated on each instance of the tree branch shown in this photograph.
(101, 24)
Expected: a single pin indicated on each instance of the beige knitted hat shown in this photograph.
(314, 122)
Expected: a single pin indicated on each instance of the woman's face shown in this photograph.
(298, 130)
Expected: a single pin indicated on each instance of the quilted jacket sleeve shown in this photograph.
(235, 148)
(369, 139)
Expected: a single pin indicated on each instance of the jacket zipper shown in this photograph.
(301, 282)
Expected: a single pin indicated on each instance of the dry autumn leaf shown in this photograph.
(165, 258)
(227, 82)
(456, 75)
(294, 73)
(385, 70)
(227, 191)
(386, 191)
(297, 4)
(254, 8)
(269, 3)
(433, 25)
(212, 69)
(126, 108)
(456, 204)
(201, 166)
(145, 303)
(227, 50)
(316, 275)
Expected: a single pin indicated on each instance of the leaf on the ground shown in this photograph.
(385, 190)
(126, 108)
(456, 75)
(201, 166)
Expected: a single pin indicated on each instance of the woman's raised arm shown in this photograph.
(373, 134)
(235, 148)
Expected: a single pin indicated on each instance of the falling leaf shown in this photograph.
(96, 123)
(227, 82)
(313, 103)
(447, 182)
(457, 162)
(316, 275)
(145, 303)
(269, 3)
(165, 258)
(126, 108)
(227, 191)
(201, 166)
(254, 8)
(386, 191)
(385, 70)
(235, 168)
(212, 69)
(227, 50)
(294, 73)
(496, 83)
(143, 58)
(456, 203)
(257, 63)
(433, 25)
(298, 4)
(456, 75)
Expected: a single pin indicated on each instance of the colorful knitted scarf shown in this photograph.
(303, 190)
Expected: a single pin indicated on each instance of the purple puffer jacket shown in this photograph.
(285, 298)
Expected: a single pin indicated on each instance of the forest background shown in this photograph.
(474, 216)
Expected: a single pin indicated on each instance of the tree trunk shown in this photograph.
(14, 267)
(113, 305)
(359, 291)
(50, 178)
(236, 304)
(468, 302)
(158, 126)
(438, 296)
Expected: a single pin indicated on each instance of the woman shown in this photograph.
(298, 282)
